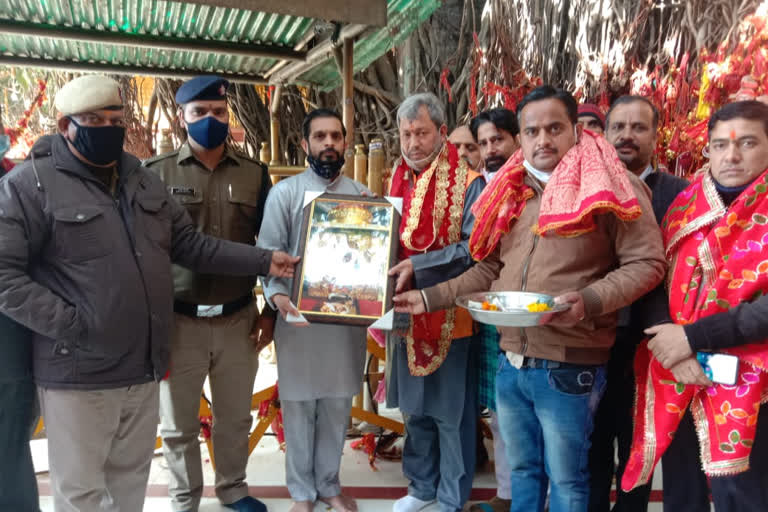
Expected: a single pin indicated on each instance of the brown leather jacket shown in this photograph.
(612, 267)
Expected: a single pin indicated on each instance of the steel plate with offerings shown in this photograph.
(510, 309)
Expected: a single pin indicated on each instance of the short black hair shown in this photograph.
(502, 119)
(752, 109)
(629, 98)
(545, 92)
(317, 113)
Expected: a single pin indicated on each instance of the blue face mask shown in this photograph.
(209, 132)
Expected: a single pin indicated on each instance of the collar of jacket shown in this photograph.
(65, 161)
(185, 153)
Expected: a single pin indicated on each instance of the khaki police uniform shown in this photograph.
(214, 315)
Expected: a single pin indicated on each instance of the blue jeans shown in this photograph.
(546, 419)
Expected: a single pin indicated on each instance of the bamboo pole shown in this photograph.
(284, 171)
(274, 126)
(349, 106)
(266, 157)
(274, 135)
(361, 164)
(376, 166)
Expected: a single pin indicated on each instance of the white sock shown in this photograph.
(410, 504)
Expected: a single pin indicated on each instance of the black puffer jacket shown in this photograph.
(91, 274)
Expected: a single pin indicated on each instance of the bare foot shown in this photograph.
(302, 506)
(340, 503)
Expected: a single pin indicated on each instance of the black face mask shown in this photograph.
(99, 144)
(327, 169)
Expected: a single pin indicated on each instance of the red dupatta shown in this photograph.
(433, 209)
(718, 259)
(589, 180)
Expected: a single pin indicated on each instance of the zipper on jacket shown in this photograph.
(524, 286)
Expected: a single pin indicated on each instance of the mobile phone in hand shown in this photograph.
(719, 368)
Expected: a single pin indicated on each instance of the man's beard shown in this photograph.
(494, 163)
(327, 163)
(328, 155)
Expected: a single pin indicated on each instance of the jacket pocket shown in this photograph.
(155, 220)
(81, 233)
(572, 381)
(90, 362)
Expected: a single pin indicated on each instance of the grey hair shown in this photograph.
(409, 108)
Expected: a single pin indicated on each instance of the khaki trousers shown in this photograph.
(219, 348)
(100, 446)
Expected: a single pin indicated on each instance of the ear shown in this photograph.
(63, 125)
(579, 132)
(304, 145)
(444, 131)
(180, 114)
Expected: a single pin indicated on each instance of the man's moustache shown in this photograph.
(329, 152)
(627, 144)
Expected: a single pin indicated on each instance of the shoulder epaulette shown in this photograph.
(244, 156)
(157, 158)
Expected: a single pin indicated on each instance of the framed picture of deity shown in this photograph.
(347, 245)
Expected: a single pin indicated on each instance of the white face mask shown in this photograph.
(539, 175)
(418, 165)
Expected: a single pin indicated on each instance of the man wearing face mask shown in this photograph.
(431, 370)
(224, 192)
(320, 367)
(564, 218)
(88, 239)
(715, 240)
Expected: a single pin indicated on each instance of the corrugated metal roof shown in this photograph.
(173, 21)
(404, 16)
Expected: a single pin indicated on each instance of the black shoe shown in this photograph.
(247, 504)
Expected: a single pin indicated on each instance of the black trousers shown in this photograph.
(685, 485)
(18, 412)
(18, 485)
(613, 423)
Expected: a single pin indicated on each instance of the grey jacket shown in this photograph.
(91, 274)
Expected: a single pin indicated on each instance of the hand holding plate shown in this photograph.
(572, 315)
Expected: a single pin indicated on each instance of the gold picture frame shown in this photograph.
(347, 246)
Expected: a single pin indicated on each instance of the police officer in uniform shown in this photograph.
(88, 236)
(224, 192)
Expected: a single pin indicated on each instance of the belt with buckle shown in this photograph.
(520, 361)
(211, 311)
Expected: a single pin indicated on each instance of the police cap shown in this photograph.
(207, 87)
(87, 94)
